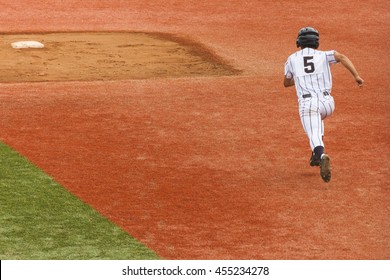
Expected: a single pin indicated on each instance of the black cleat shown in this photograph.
(314, 161)
(325, 168)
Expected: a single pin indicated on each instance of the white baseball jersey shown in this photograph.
(311, 72)
(310, 69)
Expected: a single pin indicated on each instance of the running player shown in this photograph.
(309, 70)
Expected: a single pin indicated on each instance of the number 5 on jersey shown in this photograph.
(308, 64)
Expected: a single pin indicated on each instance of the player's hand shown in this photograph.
(359, 81)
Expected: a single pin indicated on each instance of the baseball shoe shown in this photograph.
(325, 168)
(314, 161)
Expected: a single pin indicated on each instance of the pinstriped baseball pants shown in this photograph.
(313, 111)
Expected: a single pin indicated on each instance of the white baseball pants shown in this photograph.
(313, 111)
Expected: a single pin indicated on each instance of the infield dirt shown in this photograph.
(99, 56)
(216, 167)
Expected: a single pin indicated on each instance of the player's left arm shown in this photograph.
(347, 63)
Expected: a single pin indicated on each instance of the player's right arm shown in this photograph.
(288, 82)
(288, 75)
(349, 65)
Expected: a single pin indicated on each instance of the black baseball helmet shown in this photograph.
(308, 37)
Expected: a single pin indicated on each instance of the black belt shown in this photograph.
(325, 93)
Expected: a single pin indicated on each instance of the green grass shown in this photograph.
(40, 220)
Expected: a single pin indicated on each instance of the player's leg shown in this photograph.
(319, 158)
(315, 159)
(326, 108)
(313, 125)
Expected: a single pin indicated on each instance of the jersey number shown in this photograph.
(309, 66)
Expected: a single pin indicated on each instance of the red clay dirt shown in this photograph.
(216, 167)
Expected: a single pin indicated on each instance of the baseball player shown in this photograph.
(309, 70)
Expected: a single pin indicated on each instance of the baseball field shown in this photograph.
(162, 130)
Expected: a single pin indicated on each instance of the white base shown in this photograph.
(27, 44)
